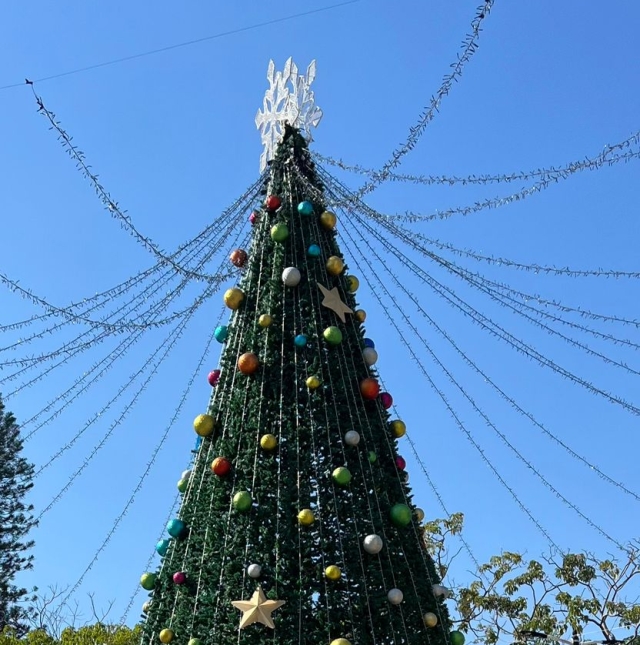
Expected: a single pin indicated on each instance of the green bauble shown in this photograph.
(148, 581)
(341, 476)
(183, 484)
(456, 638)
(401, 515)
(242, 501)
(332, 335)
(195, 641)
(279, 232)
(372, 457)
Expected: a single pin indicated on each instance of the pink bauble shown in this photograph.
(400, 463)
(253, 218)
(179, 577)
(386, 399)
(213, 377)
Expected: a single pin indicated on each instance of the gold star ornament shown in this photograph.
(332, 301)
(257, 609)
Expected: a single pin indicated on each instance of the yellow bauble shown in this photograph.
(340, 641)
(398, 428)
(352, 283)
(328, 220)
(268, 442)
(332, 572)
(306, 517)
(203, 424)
(265, 320)
(335, 266)
(233, 298)
(313, 382)
(430, 619)
(166, 635)
(361, 315)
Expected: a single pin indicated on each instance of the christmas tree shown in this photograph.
(297, 523)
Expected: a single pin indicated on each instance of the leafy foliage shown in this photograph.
(98, 634)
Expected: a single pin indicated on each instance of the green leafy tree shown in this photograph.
(295, 506)
(16, 475)
(98, 634)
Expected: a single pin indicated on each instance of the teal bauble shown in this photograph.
(314, 251)
(305, 208)
(162, 547)
(279, 232)
(221, 333)
(175, 528)
(341, 476)
(242, 501)
(456, 638)
(300, 340)
(400, 515)
(332, 335)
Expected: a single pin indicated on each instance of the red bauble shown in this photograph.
(179, 577)
(221, 466)
(253, 218)
(401, 463)
(273, 203)
(369, 388)
(214, 377)
(248, 363)
(386, 399)
(238, 258)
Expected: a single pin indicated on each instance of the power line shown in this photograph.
(187, 43)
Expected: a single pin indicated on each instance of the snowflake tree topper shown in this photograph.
(289, 99)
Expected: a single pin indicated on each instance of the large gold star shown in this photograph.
(332, 301)
(257, 609)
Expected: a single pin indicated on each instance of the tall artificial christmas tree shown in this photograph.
(297, 524)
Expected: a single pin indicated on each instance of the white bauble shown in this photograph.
(254, 570)
(372, 544)
(395, 596)
(440, 590)
(352, 438)
(291, 277)
(185, 474)
(146, 606)
(370, 356)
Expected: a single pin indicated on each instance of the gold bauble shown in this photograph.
(335, 266)
(332, 572)
(166, 635)
(398, 428)
(340, 641)
(313, 382)
(233, 298)
(352, 283)
(268, 442)
(419, 514)
(306, 517)
(328, 220)
(361, 315)
(204, 424)
(430, 619)
(265, 320)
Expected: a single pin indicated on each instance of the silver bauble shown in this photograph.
(440, 590)
(370, 356)
(254, 570)
(185, 474)
(352, 438)
(395, 596)
(372, 544)
(291, 277)
(146, 606)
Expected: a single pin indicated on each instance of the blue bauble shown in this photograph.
(305, 208)
(300, 340)
(369, 343)
(175, 527)
(162, 547)
(221, 333)
(314, 251)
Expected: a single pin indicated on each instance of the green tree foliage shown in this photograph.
(558, 595)
(98, 634)
(16, 475)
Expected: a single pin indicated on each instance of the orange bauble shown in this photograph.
(238, 258)
(248, 363)
(369, 388)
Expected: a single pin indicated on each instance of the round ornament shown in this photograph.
(248, 363)
(386, 399)
(341, 476)
(314, 251)
(369, 343)
(146, 606)
(194, 641)
(279, 232)
(352, 283)
(306, 517)
(430, 619)
(352, 438)
(372, 457)
(395, 596)
(185, 474)
(179, 577)
(162, 546)
(176, 528)
(254, 570)
(265, 320)
(291, 277)
(372, 544)
(370, 356)
(238, 258)
(221, 333)
(361, 315)
(456, 637)
(332, 335)
(233, 298)
(340, 641)
(313, 382)
(335, 265)
(273, 203)
(400, 515)
(305, 208)
(183, 484)
(254, 218)
(332, 572)
(440, 590)
(242, 501)
(398, 428)
(204, 424)
(328, 220)
(166, 635)
(268, 442)
(221, 466)
(213, 377)
(401, 464)
(300, 340)
(420, 518)
(148, 581)
(369, 388)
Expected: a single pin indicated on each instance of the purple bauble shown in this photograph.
(386, 399)
(179, 577)
(213, 377)
(401, 463)
(253, 218)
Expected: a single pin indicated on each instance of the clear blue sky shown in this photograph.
(172, 137)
